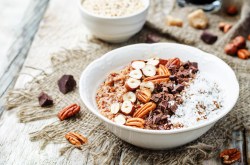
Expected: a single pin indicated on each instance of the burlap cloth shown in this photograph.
(103, 146)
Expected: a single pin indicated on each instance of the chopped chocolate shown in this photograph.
(172, 77)
(152, 38)
(45, 100)
(66, 83)
(178, 88)
(157, 118)
(208, 37)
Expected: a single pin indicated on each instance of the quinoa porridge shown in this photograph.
(113, 8)
(159, 94)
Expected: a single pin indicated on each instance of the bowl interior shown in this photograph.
(210, 66)
(145, 2)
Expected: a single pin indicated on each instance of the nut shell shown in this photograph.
(230, 49)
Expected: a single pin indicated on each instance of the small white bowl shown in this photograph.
(114, 29)
(209, 65)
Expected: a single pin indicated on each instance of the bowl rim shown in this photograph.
(146, 7)
(96, 112)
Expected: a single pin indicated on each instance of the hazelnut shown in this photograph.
(198, 19)
(243, 54)
(230, 49)
(239, 42)
(227, 27)
(232, 10)
(222, 25)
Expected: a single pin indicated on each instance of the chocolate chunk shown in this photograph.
(172, 77)
(208, 37)
(157, 118)
(194, 64)
(45, 100)
(173, 107)
(179, 87)
(156, 97)
(164, 117)
(158, 88)
(152, 38)
(66, 83)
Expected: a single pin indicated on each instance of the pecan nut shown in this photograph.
(243, 54)
(145, 109)
(68, 111)
(230, 156)
(76, 138)
(135, 122)
(163, 71)
(173, 62)
(143, 95)
(157, 79)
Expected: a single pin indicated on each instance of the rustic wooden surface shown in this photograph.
(52, 36)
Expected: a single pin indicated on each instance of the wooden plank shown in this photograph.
(20, 47)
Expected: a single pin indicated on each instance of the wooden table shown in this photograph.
(28, 52)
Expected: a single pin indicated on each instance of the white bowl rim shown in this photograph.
(147, 131)
(147, 2)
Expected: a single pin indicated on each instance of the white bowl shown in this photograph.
(209, 65)
(117, 29)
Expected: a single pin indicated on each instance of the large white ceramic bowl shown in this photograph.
(114, 29)
(209, 65)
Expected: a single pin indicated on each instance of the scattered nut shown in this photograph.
(127, 108)
(243, 54)
(143, 95)
(76, 138)
(198, 19)
(149, 70)
(208, 37)
(136, 74)
(157, 79)
(230, 49)
(120, 119)
(149, 85)
(138, 64)
(68, 111)
(227, 27)
(114, 108)
(135, 122)
(173, 62)
(145, 109)
(132, 84)
(232, 10)
(230, 156)
(129, 96)
(153, 61)
(171, 21)
(239, 42)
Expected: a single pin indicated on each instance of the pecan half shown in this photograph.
(144, 110)
(157, 79)
(163, 70)
(173, 62)
(76, 138)
(143, 95)
(68, 111)
(230, 156)
(135, 122)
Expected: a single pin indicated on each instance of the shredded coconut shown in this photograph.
(113, 8)
(203, 100)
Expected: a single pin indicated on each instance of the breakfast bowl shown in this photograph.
(210, 66)
(114, 29)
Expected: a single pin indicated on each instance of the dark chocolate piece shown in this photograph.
(66, 83)
(208, 37)
(45, 100)
(152, 38)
